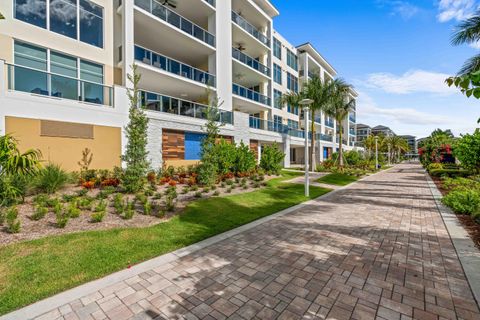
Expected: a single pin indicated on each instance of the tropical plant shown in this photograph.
(12, 161)
(13, 223)
(51, 178)
(467, 151)
(395, 146)
(272, 158)
(339, 108)
(135, 156)
(245, 161)
(86, 160)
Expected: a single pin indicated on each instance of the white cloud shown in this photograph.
(367, 108)
(456, 9)
(401, 8)
(410, 82)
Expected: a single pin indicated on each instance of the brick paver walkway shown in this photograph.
(376, 250)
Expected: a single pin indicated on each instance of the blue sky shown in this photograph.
(396, 53)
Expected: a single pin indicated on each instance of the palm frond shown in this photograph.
(468, 31)
(471, 65)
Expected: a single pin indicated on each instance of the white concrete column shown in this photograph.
(223, 38)
(3, 88)
(259, 152)
(128, 39)
(286, 150)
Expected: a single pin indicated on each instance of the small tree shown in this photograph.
(467, 151)
(272, 158)
(86, 160)
(135, 156)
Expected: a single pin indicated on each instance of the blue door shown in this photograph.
(193, 145)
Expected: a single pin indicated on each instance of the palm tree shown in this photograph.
(468, 32)
(339, 108)
(397, 146)
(369, 144)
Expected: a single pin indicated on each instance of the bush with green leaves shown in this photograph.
(224, 156)
(129, 210)
(460, 183)
(97, 217)
(434, 166)
(245, 161)
(40, 213)
(207, 173)
(51, 179)
(450, 173)
(61, 220)
(13, 223)
(463, 201)
(170, 198)
(467, 151)
(73, 211)
(272, 159)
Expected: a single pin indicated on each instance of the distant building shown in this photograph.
(383, 130)
(412, 143)
(363, 131)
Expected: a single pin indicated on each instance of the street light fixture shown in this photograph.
(305, 103)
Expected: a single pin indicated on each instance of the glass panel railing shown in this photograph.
(329, 123)
(173, 66)
(176, 20)
(257, 123)
(54, 85)
(352, 132)
(245, 25)
(250, 94)
(352, 118)
(211, 2)
(166, 104)
(325, 137)
(251, 62)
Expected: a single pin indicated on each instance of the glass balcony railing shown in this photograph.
(329, 123)
(251, 62)
(352, 132)
(325, 137)
(245, 25)
(352, 118)
(173, 66)
(176, 20)
(251, 95)
(257, 123)
(166, 104)
(55, 85)
(211, 2)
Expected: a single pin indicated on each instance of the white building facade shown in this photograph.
(65, 67)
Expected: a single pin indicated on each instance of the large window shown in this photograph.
(277, 48)
(77, 19)
(47, 72)
(277, 99)
(292, 124)
(292, 109)
(277, 73)
(292, 60)
(292, 82)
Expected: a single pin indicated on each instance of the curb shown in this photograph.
(41, 307)
(467, 252)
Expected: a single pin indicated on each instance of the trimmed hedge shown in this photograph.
(450, 173)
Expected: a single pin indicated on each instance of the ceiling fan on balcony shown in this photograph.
(240, 46)
(171, 3)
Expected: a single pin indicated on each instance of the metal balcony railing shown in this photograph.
(58, 86)
(173, 66)
(166, 104)
(251, 62)
(176, 20)
(267, 125)
(245, 25)
(251, 95)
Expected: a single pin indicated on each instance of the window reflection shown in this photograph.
(32, 11)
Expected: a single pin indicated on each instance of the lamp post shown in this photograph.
(305, 103)
(376, 152)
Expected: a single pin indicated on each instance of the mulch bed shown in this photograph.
(31, 229)
(470, 225)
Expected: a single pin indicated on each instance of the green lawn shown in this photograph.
(338, 179)
(33, 270)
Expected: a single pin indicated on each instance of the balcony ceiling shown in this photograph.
(253, 47)
(158, 81)
(245, 76)
(158, 36)
(248, 106)
(196, 11)
(250, 13)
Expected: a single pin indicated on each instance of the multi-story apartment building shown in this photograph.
(383, 130)
(65, 67)
(412, 143)
(363, 131)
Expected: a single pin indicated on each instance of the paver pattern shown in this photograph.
(375, 250)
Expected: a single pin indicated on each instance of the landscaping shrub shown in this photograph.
(435, 166)
(73, 211)
(13, 223)
(467, 151)
(224, 157)
(460, 183)
(272, 159)
(463, 201)
(352, 157)
(51, 179)
(245, 159)
(40, 213)
(97, 217)
(62, 220)
(449, 173)
(207, 173)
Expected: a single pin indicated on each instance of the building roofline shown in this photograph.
(310, 49)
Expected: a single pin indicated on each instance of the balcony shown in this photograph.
(166, 104)
(174, 67)
(352, 132)
(251, 95)
(352, 118)
(329, 123)
(174, 19)
(325, 137)
(210, 2)
(250, 29)
(257, 123)
(251, 62)
(57, 86)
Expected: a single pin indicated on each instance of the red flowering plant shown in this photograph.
(89, 185)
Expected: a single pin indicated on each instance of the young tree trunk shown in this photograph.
(340, 146)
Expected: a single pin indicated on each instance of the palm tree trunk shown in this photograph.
(312, 148)
(340, 146)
